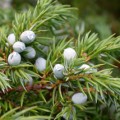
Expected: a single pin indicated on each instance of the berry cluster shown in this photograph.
(25, 38)
(69, 55)
(20, 46)
(77, 98)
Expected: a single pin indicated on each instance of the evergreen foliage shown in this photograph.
(27, 93)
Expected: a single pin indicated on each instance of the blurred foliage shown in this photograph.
(23, 4)
(101, 16)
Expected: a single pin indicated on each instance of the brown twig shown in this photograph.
(34, 87)
(39, 86)
(3, 55)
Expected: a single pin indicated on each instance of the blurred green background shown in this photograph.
(101, 16)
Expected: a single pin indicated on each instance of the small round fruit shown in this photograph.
(28, 81)
(40, 64)
(11, 38)
(79, 98)
(65, 116)
(87, 68)
(19, 46)
(27, 36)
(30, 52)
(58, 71)
(69, 54)
(14, 59)
(84, 67)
